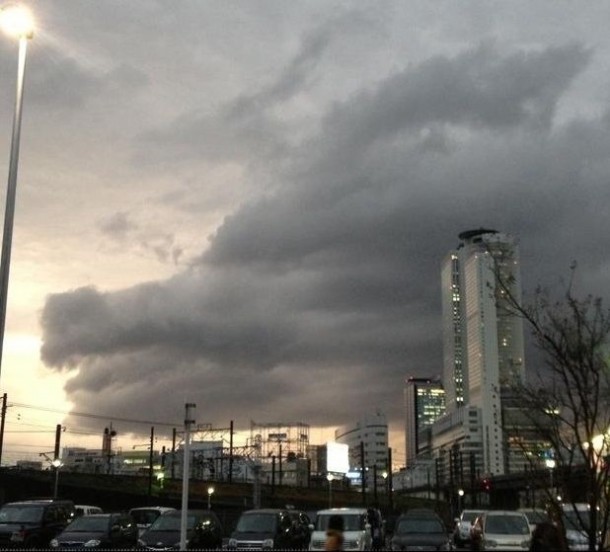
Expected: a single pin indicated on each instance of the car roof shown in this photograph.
(38, 502)
(351, 511)
(152, 509)
(420, 512)
(266, 511)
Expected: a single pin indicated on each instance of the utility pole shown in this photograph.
(2, 419)
(150, 460)
(362, 473)
(173, 453)
(231, 452)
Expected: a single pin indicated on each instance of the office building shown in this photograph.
(424, 404)
(483, 343)
(367, 439)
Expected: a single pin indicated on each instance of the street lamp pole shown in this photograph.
(210, 493)
(329, 476)
(56, 465)
(16, 21)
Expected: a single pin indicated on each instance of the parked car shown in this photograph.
(146, 515)
(534, 517)
(203, 531)
(265, 529)
(101, 531)
(420, 530)
(576, 520)
(86, 510)
(33, 523)
(501, 530)
(463, 524)
(356, 533)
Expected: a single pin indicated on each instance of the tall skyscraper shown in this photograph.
(424, 403)
(483, 343)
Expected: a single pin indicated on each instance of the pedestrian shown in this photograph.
(334, 533)
(547, 536)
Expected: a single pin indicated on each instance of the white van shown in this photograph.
(86, 510)
(356, 532)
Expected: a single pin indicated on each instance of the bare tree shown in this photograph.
(567, 401)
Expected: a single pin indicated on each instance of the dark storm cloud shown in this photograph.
(335, 277)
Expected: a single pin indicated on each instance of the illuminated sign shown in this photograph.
(337, 457)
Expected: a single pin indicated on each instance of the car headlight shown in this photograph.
(92, 543)
(525, 544)
(267, 544)
(232, 543)
(54, 543)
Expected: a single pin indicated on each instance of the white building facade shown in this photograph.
(483, 343)
(367, 439)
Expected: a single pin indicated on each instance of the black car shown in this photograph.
(33, 523)
(265, 529)
(420, 530)
(101, 531)
(203, 531)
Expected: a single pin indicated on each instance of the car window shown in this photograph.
(21, 514)
(145, 517)
(262, 523)
(420, 525)
(507, 525)
(89, 523)
(470, 516)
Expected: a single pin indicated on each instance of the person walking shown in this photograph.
(334, 533)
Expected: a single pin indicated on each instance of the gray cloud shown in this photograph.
(334, 277)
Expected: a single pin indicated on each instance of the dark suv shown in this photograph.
(101, 531)
(203, 531)
(33, 523)
(266, 529)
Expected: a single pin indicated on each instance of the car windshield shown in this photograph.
(470, 516)
(536, 516)
(172, 523)
(507, 525)
(145, 517)
(257, 523)
(21, 514)
(351, 522)
(89, 523)
(419, 525)
(577, 520)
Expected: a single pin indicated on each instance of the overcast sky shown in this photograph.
(245, 204)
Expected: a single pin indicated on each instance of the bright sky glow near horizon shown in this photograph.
(245, 204)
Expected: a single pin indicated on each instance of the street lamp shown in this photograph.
(210, 493)
(57, 463)
(460, 500)
(330, 478)
(550, 463)
(16, 21)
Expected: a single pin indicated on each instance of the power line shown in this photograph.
(95, 416)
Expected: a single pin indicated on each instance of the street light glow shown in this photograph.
(17, 21)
